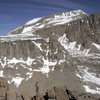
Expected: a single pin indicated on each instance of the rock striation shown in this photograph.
(58, 49)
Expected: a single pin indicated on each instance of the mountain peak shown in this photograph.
(62, 48)
(47, 21)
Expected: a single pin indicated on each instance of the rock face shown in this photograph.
(56, 93)
(11, 95)
(61, 93)
(4, 87)
(58, 49)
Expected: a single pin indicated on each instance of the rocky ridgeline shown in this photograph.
(53, 51)
(84, 31)
(56, 93)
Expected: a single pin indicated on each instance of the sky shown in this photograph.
(16, 12)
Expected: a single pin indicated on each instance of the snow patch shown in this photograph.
(27, 29)
(89, 90)
(46, 64)
(33, 21)
(38, 45)
(61, 61)
(11, 62)
(15, 61)
(87, 76)
(97, 45)
(1, 73)
(17, 81)
(63, 18)
(78, 75)
(29, 74)
(71, 46)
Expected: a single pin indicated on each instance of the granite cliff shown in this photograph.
(62, 48)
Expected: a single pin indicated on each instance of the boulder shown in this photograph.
(61, 94)
(26, 96)
(51, 93)
(19, 96)
(4, 87)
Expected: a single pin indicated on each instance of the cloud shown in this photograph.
(63, 4)
(28, 7)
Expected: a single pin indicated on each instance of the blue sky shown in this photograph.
(15, 12)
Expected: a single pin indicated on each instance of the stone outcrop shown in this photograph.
(7, 93)
(60, 93)
(53, 56)
(4, 87)
(11, 95)
(25, 96)
(55, 93)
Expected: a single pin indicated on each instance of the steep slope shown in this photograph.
(49, 21)
(58, 49)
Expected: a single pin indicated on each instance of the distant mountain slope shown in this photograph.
(48, 21)
(58, 49)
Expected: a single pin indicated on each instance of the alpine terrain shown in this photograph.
(58, 50)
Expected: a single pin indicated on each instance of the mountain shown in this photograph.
(59, 49)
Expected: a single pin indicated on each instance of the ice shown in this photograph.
(96, 91)
(17, 81)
